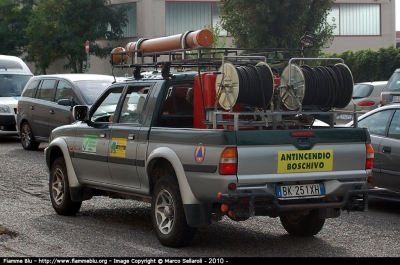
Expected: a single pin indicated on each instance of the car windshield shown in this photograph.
(362, 90)
(11, 85)
(92, 89)
(394, 82)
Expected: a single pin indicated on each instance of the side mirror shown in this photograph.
(80, 112)
(64, 102)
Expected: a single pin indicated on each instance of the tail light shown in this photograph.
(370, 156)
(366, 103)
(228, 161)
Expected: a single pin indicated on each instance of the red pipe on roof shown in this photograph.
(189, 39)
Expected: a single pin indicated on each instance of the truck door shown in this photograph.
(93, 139)
(124, 138)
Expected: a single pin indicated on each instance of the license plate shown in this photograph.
(304, 190)
(344, 117)
(396, 98)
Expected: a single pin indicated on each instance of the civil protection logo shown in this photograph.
(200, 153)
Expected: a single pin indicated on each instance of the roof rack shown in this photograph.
(199, 58)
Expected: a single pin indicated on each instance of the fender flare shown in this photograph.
(170, 155)
(60, 143)
(23, 117)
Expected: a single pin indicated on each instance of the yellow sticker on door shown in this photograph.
(118, 147)
(305, 161)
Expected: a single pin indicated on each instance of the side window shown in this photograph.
(104, 112)
(30, 90)
(46, 90)
(134, 104)
(394, 128)
(179, 101)
(377, 122)
(64, 91)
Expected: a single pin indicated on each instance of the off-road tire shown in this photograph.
(59, 189)
(27, 138)
(167, 214)
(302, 225)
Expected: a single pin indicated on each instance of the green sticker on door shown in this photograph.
(89, 143)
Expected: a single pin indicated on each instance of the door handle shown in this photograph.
(131, 136)
(52, 111)
(32, 107)
(386, 150)
(103, 135)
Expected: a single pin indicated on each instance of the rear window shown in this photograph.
(362, 90)
(31, 89)
(394, 82)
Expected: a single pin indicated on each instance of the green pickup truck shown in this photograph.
(213, 137)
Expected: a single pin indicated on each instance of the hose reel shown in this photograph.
(326, 87)
(250, 84)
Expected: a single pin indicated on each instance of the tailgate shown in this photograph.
(277, 156)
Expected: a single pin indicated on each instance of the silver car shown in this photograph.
(366, 97)
(383, 124)
(391, 92)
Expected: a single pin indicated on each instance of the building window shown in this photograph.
(130, 28)
(185, 16)
(216, 19)
(355, 19)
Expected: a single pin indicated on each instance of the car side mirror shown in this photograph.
(64, 102)
(80, 112)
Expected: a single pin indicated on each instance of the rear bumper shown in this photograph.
(352, 200)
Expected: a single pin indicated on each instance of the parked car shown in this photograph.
(383, 124)
(366, 97)
(391, 92)
(47, 100)
(14, 74)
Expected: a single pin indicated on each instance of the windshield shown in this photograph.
(11, 85)
(92, 89)
(394, 82)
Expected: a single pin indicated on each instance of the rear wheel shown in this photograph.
(167, 214)
(27, 138)
(302, 225)
(59, 189)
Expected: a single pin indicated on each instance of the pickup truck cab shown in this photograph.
(163, 138)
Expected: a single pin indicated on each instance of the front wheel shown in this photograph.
(27, 138)
(59, 189)
(302, 225)
(167, 214)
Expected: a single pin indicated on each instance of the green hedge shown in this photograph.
(369, 65)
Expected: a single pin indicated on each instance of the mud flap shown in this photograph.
(198, 215)
(79, 194)
(328, 213)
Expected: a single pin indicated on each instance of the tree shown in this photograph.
(276, 23)
(59, 29)
(14, 18)
(218, 42)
